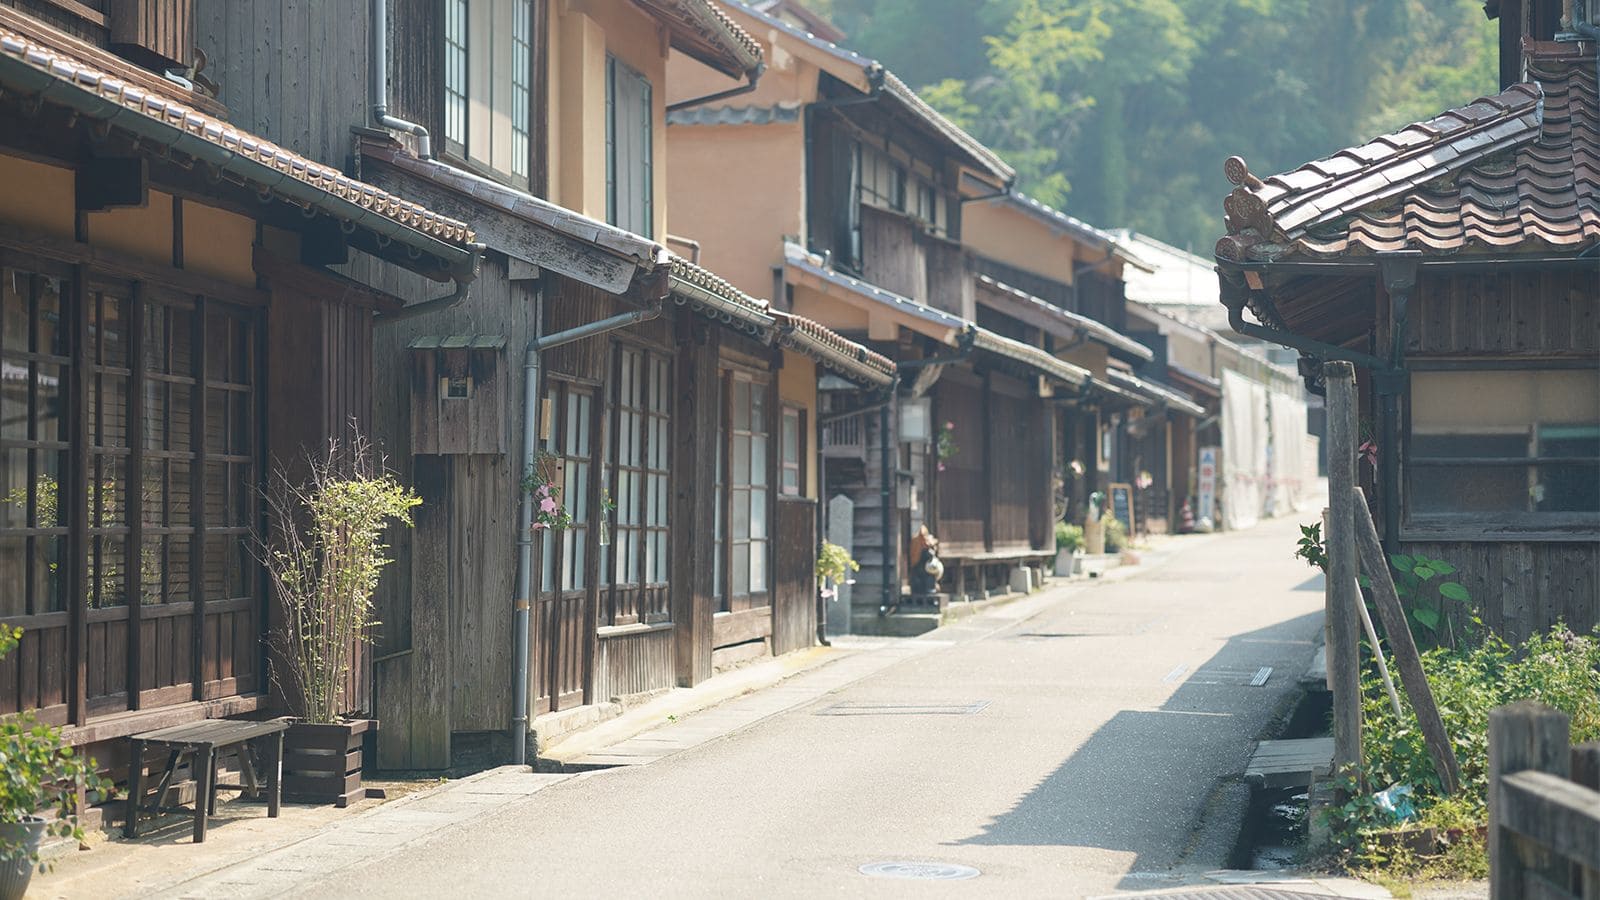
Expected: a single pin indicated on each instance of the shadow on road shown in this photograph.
(1146, 770)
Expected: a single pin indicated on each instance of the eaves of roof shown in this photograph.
(980, 155)
(797, 258)
(1201, 381)
(31, 67)
(833, 351)
(1073, 323)
(715, 298)
(1163, 396)
(702, 30)
(1034, 357)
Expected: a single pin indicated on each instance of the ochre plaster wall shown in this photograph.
(581, 34)
(797, 386)
(737, 190)
(218, 243)
(39, 199)
(145, 231)
(1017, 239)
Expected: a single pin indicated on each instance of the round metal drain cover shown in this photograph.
(920, 871)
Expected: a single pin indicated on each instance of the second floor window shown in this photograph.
(629, 114)
(488, 78)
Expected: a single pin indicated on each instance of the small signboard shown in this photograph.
(1208, 484)
(1122, 506)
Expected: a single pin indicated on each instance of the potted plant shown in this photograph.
(38, 774)
(323, 556)
(1069, 543)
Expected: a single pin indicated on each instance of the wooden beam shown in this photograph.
(1404, 649)
(1343, 620)
(127, 266)
(75, 498)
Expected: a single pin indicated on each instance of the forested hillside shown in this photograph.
(1122, 111)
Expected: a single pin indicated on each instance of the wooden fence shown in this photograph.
(1544, 807)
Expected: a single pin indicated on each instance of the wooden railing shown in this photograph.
(1544, 807)
(845, 439)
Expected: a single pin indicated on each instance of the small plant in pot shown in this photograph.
(1069, 543)
(324, 556)
(38, 774)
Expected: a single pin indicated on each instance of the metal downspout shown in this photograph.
(522, 602)
(754, 76)
(891, 562)
(379, 76)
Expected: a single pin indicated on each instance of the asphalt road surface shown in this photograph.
(1090, 747)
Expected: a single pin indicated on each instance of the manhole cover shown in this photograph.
(903, 709)
(920, 871)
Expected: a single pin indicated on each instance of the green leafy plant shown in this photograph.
(834, 563)
(1069, 537)
(1557, 668)
(945, 447)
(324, 555)
(1425, 598)
(1116, 535)
(1311, 548)
(40, 773)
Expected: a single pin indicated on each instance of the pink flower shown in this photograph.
(547, 505)
(941, 467)
(949, 426)
(539, 526)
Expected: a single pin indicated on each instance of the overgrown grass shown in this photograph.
(1559, 669)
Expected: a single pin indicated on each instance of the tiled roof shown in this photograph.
(27, 65)
(834, 351)
(1519, 170)
(703, 30)
(1034, 357)
(895, 88)
(1162, 394)
(712, 296)
(782, 113)
(796, 256)
(1074, 322)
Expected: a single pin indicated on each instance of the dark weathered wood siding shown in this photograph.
(1514, 313)
(1522, 588)
(794, 600)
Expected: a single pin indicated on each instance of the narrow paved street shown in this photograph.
(1113, 720)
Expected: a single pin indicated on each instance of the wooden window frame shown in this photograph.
(632, 596)
(614, 66)
(798, 464)
(1498, 525)
(526, 105)
(764, 386)
(563, 574)
(100, 524)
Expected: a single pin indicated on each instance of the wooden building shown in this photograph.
(1454, 261)
(170, 330)
(866, 224)
(679, 440)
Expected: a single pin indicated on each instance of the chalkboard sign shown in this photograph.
(1122, 505)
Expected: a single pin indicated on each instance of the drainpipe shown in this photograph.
(379, 74)
(754, 75)
(463, 289)
(530, 457)
(891, 562)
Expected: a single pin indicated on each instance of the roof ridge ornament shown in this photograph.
(1238, 172)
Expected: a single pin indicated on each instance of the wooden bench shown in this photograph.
(203, 743)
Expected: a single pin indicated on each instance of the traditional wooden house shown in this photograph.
(1454, 262)
(1056, 281)
(669, 414)
(868, 195)
(1173, 308)
(169, 330)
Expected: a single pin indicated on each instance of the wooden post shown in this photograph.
(1344, 623)
(1404, 648)
(1523, 736)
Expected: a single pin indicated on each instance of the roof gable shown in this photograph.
(1518, 171)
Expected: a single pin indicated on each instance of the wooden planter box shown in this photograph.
(322, 763)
